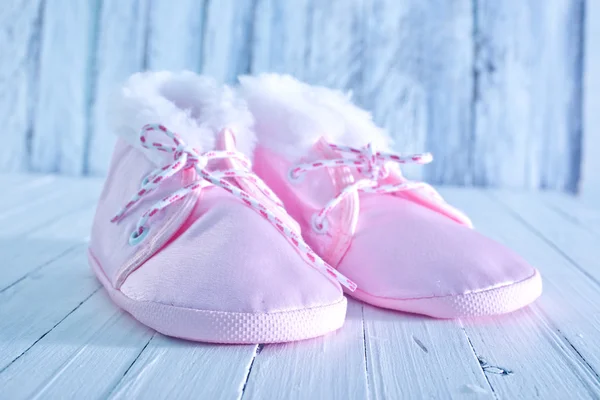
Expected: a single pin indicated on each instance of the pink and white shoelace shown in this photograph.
(368, 162)
(186, 157)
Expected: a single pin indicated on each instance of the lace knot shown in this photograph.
(368, 162)
(375, 165)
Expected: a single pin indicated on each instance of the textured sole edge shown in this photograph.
(499, 300)
(228, 327)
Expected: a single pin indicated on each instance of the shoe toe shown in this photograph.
(229, 261)
(407, 257)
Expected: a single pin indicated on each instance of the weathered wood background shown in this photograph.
(590, 176)
(492, 88)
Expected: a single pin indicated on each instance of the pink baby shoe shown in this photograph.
(187, 239)
(405, 247)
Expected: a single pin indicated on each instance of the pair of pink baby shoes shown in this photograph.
(196, 243)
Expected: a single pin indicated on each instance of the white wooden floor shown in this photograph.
(61, 337)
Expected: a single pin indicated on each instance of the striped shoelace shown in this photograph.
(368, 162)
(186, 157)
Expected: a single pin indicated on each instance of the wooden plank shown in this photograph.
(583, 211)
(334, 45)
(549, 347)
(175, 35)
(279, 39)
(226, 49)
(413, 357)
(515, 348)
(83, 357)
(377, 50)
(19, 41)
(322, 43)
(34, 306)
(590, 179)
(22, 186)
(28, 187)
(121, 52)
(170, 368)
(417, 81)
(316, 42)
(524, 134)
(46, 243)
(39, 207)
(60, 122)
(578, 244)
(51, 215)
(329, 367)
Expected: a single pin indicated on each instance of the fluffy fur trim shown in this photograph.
(291, 115)
(195, 107)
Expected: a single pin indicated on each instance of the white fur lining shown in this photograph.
(291, 115)
(195, 107)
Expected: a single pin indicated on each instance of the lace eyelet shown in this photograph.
(319, 227)
(293, 177)
(135, 238)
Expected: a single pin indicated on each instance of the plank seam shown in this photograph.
(247, 69)
(576, 110)
(51, 329)
(477, 179)
(591, 368)
(478, 357)
(257, 351)
(132, 364)
(147, 34)
(562, 339)
(34, 54)
(569, 217)
(362, 321)
(39, 267)
(58, 217)
(205, 8)
(542, 237)
(91, 81)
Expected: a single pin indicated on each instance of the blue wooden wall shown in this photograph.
(492, 88)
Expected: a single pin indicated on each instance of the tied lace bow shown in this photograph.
(368, 162)
(186, 157)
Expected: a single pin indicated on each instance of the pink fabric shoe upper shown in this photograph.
(202, 251)
(403, 245)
